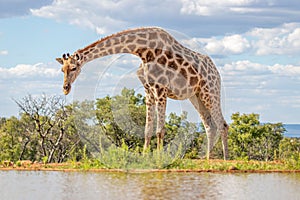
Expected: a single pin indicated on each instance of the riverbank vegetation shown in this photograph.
(108, 134)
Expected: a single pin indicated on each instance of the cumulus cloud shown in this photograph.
(11, 8)
(248, 68)
(104, 16)
(261, 8)
(24, 79)
(284, 39)
(3, 52)
(212, 7)
(232, 44)
(266, 89)
(280, 40)
(29, 71)
(258, 77)
(91, 14)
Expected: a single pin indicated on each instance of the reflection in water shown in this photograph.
(108, 185)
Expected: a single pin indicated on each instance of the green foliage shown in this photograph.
(179, 131)
(44, 132)
(123, 158)
(289, 151)
(10, 143)
(122, 118)
(110, 133)
(249, 139)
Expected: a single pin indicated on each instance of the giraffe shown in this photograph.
(168, 69)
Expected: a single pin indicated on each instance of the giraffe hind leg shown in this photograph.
(160, 99)
(222, 128)
(160, 128)
(150, 111)
(208, 122)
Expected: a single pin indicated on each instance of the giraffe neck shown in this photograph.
(135, 42)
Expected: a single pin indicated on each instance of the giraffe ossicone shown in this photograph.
(168, 69)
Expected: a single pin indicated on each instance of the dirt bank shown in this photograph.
(200, 166)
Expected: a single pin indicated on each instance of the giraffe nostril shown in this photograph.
(66, 86)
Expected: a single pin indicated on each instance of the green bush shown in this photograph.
(289, 151)
(251, 140)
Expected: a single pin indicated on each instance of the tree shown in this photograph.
(188, 135)
(84, 127)
(10, 146)
(289, 149)
(2, 121)
(51, 133)
(249, 139)
(122, 118)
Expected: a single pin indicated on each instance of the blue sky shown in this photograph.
(254, 43)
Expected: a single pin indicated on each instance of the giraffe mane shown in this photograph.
(114, 35)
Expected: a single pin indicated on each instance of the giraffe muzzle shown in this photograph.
(67, 88)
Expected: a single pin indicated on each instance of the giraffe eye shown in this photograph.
(73, 69)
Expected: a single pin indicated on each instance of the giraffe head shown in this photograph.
(71, 69)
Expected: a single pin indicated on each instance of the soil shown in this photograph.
(67, 167)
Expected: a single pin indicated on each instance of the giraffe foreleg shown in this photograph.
(160, 128)
(160, 98)
(150, 110)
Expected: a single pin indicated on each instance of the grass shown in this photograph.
(181, 165)
(122, 159)
(233, 165)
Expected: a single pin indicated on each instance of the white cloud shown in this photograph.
(270, 90)
(293, 101)
(106, 16)
(212, 7)
(286, 70)
(258, 80)
(232, 44)
(281, 40)
(29, 71)
(284, 39)
(248, 68)
(12, 8)
(3, 52)
(91, 14)
(23, 79)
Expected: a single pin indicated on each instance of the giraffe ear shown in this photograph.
(60, 60)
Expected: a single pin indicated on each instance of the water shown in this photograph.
(109, 185)
(292, 130)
